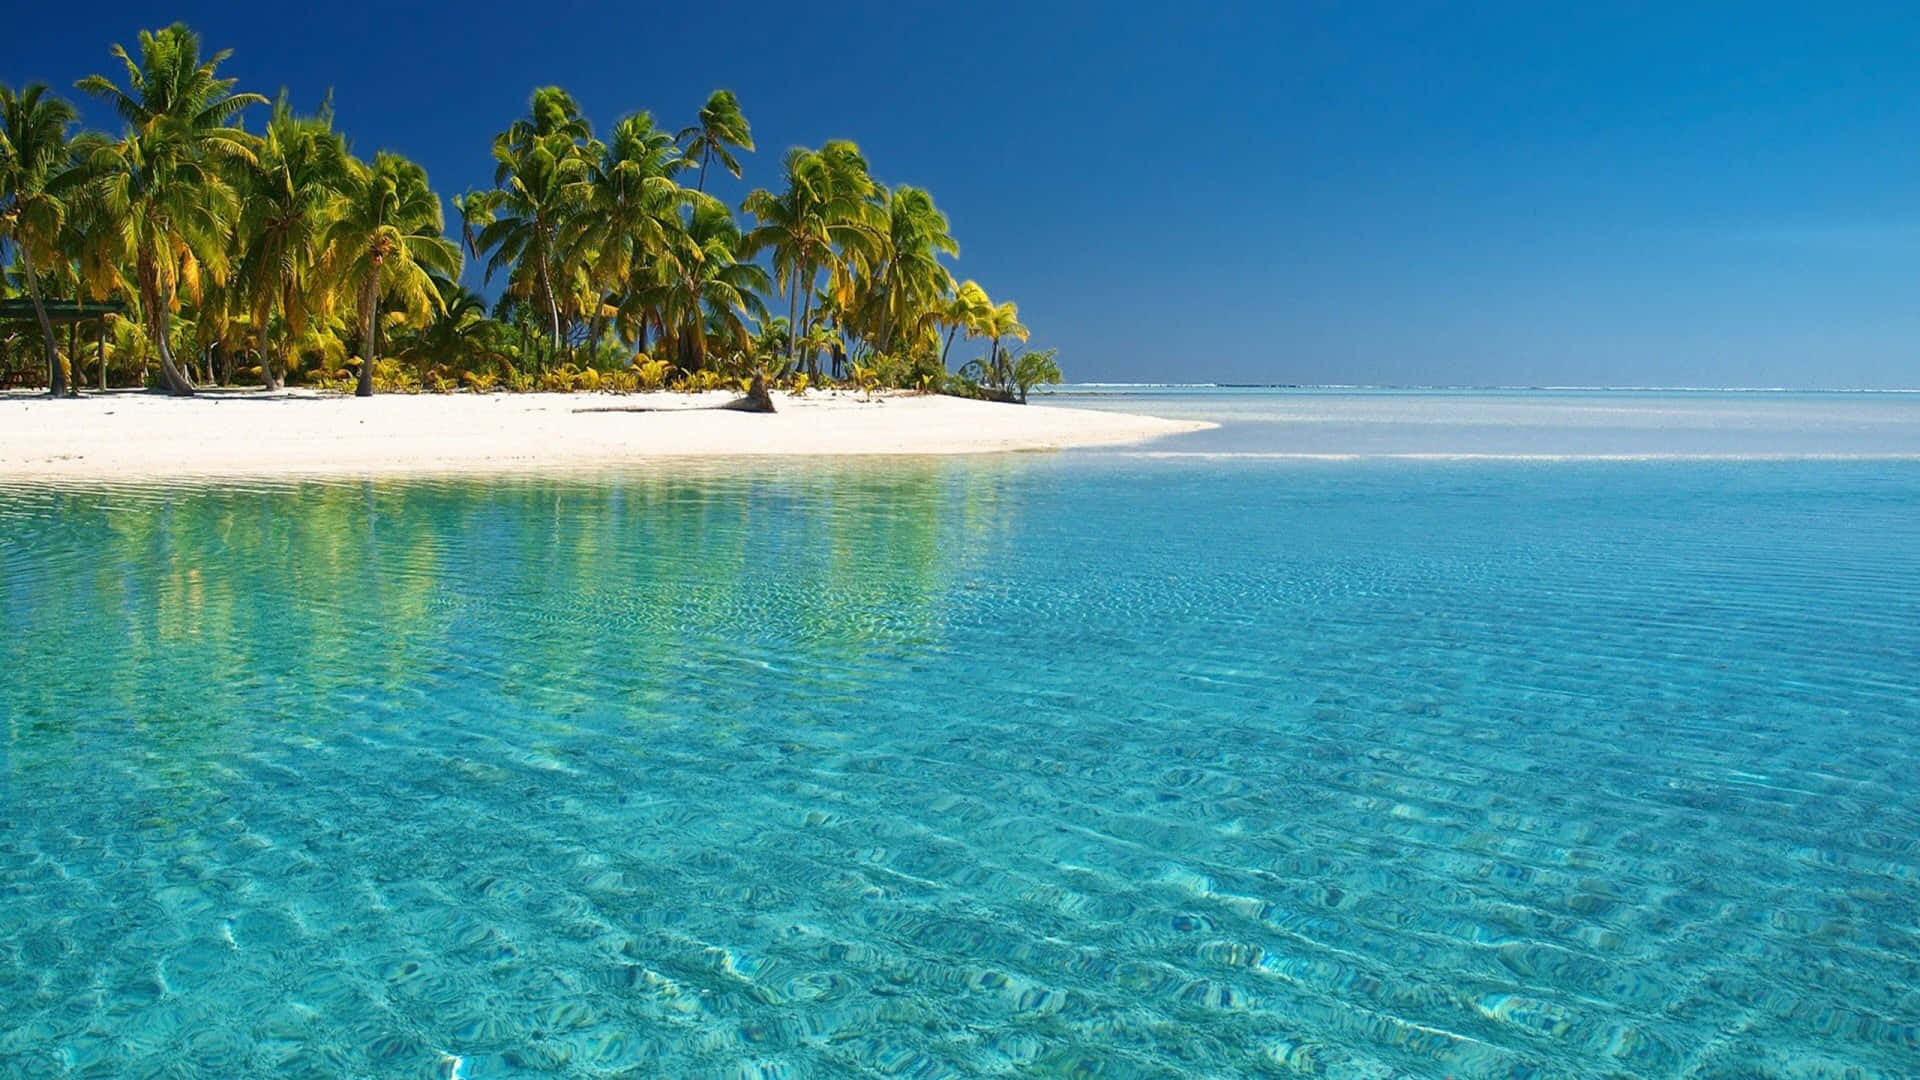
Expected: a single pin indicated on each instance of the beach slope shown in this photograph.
(134, 435)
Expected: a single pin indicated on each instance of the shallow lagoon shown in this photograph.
(1192, 762)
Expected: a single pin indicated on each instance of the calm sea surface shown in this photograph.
(1369, 735)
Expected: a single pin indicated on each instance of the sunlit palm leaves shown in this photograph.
(630, 209)
(710, 292)
(722, 128)
(168, 183)
(290, 201)
(902, 295)
(385, 245)
(34, 159)
(825, 219)
(539, 167)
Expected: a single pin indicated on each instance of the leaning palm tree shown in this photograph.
(167, 184)
(385, 242)
(289, 201)
(997, 322)
(35, 159)
(721, 126)
(966, 308)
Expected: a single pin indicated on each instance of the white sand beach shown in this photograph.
(136, 435)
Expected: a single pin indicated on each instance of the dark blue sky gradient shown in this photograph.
(1399, 192)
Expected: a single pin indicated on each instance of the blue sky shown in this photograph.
(1404, 192)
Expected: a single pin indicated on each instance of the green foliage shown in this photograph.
(697, 382)
(385, 245)
(280, 255)
(1034, 369)
(169, 185)
(722, 129)
(652, 374)
(35, 166)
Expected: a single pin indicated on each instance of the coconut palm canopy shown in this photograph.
(243, 241)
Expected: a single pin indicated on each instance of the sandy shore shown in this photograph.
(133, 435)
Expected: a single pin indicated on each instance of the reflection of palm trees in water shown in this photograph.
(653, 587)
(622, 592)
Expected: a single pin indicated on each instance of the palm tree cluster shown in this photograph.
(275, 255)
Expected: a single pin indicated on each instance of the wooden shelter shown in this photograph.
(70, 313)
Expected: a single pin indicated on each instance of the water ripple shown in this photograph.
(943, 770)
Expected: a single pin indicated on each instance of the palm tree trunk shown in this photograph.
(56, 380)
(176, 380)
(951, 330)
(793, 319)
(705, 160)
(553, 305)
(73, 356)
(103, 354)
(699, 334)
(270, 377)
(370, 313)
(806, 316)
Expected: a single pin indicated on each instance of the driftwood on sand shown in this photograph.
(757, 400)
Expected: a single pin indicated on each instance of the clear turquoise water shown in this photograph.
(1193, 762)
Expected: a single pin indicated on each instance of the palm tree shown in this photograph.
(999, 321)
(35, 162)
(630, 207)
(710, 289)
(964, 309)
(551, 113)
(538, 163)
(721, 125)
(855, 222)
(459, 330)
(787, 229)
(825, 219)
(1033, 369)
(93, 245)
(906, 286)
(386, 242)
(289, 201)
(167, 183)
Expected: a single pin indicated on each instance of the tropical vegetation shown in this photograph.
(219, 238)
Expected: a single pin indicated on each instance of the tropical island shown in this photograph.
(189, 253)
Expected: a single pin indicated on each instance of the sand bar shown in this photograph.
(135, 435)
